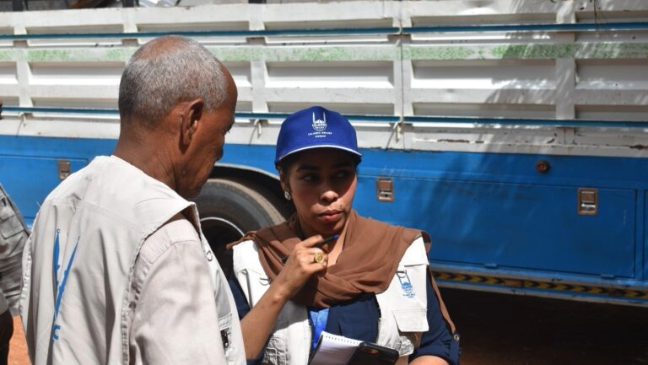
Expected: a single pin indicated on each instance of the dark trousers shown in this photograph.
(6, 330)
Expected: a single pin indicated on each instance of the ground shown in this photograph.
(506, 329)
(18, 353)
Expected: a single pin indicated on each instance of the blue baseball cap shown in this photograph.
(315, 127)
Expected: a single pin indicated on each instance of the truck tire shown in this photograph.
(229, 209)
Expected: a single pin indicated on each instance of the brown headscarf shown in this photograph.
(367, 264)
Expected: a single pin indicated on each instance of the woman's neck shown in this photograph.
(334, 248)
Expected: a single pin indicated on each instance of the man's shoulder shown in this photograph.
(113, 188)
(158, 249)
(176, 231)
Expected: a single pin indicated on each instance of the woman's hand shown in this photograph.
(305, 260)
(300, 266)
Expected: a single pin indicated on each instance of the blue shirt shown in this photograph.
(358, 319)
(318, 321)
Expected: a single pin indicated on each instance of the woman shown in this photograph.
(328, 269)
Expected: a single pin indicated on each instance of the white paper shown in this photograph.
(334, 350)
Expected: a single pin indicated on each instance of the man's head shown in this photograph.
(176, 102)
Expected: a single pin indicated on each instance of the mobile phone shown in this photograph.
(368, 353)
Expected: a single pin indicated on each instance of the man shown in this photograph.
(117, 270)
(13, 235)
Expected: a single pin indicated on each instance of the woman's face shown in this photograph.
(322, 183)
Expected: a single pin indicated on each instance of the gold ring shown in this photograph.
(318, 258)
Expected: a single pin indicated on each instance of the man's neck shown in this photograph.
(148, 157)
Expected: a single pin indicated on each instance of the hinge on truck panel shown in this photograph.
(64, 169)
(398, 130)
(258, 126)
(385, 189)
(587, 201)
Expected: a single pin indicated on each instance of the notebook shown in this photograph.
(334, 350)
(339, 350)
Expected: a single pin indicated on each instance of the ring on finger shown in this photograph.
(318, 258)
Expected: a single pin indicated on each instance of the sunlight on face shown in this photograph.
(322, 183)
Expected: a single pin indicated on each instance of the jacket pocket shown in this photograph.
(10, 224)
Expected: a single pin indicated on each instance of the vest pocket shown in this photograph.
(411, 319)
(275, 352)
(397, 341)
(253, 283)
(410, 324)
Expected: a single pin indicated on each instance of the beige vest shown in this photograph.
(79, 262)
(404, 312)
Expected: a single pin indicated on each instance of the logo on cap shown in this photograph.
(319, 125)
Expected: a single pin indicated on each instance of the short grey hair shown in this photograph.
(166, 71)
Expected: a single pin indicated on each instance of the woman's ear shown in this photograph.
(283, 179)
(285, 186)
(287, 193)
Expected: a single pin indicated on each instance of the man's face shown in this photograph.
(206, 146)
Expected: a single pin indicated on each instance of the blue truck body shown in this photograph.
(495, 221)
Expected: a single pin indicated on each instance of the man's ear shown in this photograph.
(189, 119)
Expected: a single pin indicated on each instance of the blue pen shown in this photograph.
(331, 239)
(327, 241)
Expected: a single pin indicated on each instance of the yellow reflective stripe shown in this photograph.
(545, 285)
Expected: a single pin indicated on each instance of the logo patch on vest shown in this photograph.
(406, 284)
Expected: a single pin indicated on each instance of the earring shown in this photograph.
(287, 195)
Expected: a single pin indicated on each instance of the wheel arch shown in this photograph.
(262, 181)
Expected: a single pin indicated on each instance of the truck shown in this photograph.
(515, 132)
